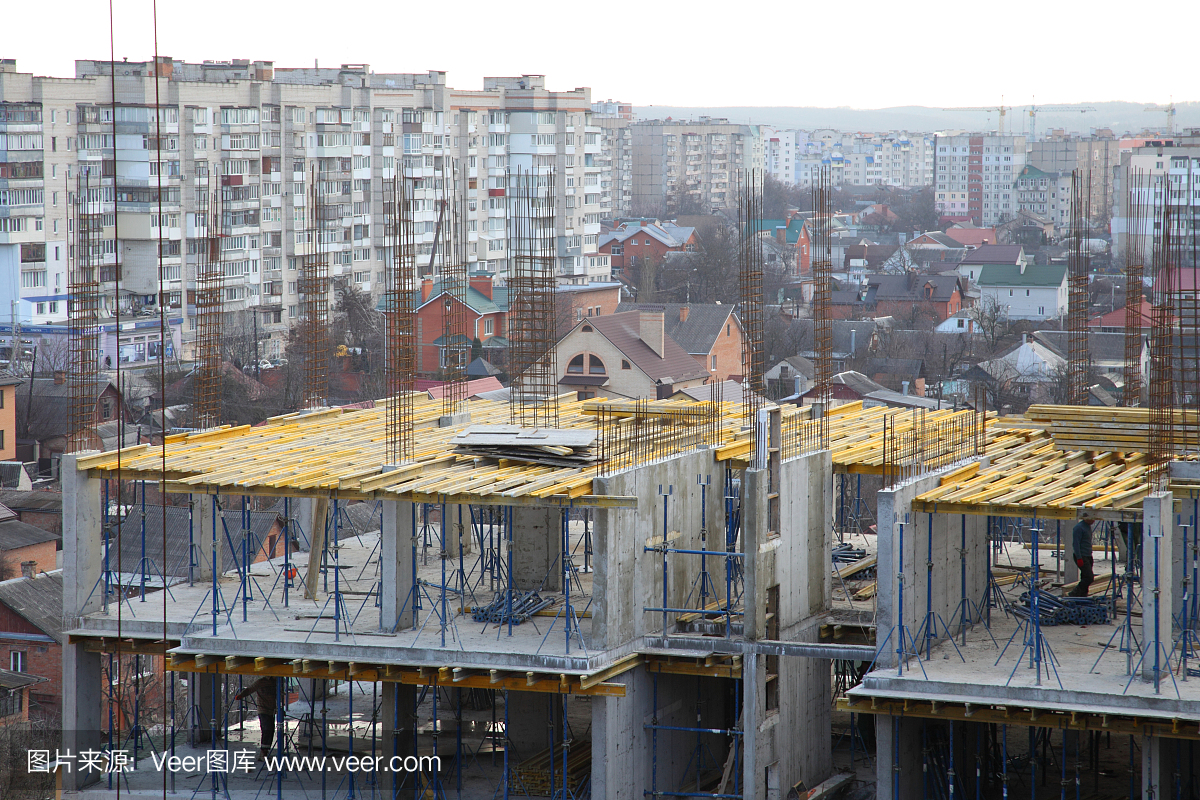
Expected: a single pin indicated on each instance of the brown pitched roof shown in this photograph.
(622, 330)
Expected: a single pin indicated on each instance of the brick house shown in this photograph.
(15, 694)
(484, 315)
(710, 333)
(31, 637)
(625, 355)
(917, 297)
(633, 243)
(44, 412)
(265, 541)
(8, 416)
(39, 508)
(25, 549)
(575, 302)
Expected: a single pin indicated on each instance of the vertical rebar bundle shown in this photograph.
(821, 250)
(400, 319)
(1077, 291)
(456, 344)
(1162, 347)
(210, 295)
(750, 280)
(314, 294)
(1135, 254)
(83, 338)
(533, 399)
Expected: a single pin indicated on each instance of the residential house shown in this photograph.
(25, 549)
(792, 376)
(574, 302)
(711, 333)
(41, 509)
(1114, 321)
(916, 297)
(839, 240)
(8, 416)
(126, 559)
(627, 354)
(15, 696)
(905, 375)
(1023, 375)
(963, 321)
(850, 386)
(31, 638)
(968, 235)
(634, 242)
(868, 257)
(44, 414)
(1009, 279)
(483, 316)
(723, 392)
(1106, 353)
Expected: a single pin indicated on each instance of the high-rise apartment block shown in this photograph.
(699, 160)
(259, 136)
(1159, 171)
(976, 177)
(1096, 157)
(616, 157)
(899, 158)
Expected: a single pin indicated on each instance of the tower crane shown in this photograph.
(1001, 109)
(1034, 109)
(1170, 109)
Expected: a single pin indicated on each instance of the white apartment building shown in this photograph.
(976, 177)
(701, 158)
(780, 154)
(616, 157)
(258, 135)
(1160, 171)
(898, 159)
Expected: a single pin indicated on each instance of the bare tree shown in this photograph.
(991, 320)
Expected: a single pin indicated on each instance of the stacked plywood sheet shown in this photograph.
(554, 447)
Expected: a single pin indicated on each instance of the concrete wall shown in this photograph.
(895, 507)
(624, 765)
(628, 579)
(537, 548)
(793, 736)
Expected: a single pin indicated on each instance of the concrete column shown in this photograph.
(1158, 767)
(458, 516)
(750, 716)
(534, 720)
(1159, 544)
(396, 563)
(755, 519)
(83, 562)
(205, 687)
(537, 547)
(399, 719)
(202, 536)
(317, 515)
(906, 764)
(1071, 573)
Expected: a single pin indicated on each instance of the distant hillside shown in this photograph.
(1122, 117)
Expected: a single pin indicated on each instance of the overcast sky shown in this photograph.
(866, 54)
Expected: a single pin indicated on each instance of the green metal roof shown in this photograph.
(1011, 275)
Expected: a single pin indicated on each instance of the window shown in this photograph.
(727, 329)
(489, 327)
(576, 365)
(16, 661)
(1027, 293)
(10, 703)
(714, 364)
(596, 366)
(625, 364)
(1010, 292)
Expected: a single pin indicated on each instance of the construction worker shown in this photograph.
(1081, 539)
(264, 691)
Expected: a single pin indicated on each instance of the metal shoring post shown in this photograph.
(566, 747)
(280, 726)
(107, 546)
(950, 771)
(895, 758)
(730, 544)
(565, 525)
(654, 738)
(415, 592)
(462, 575)
(287, 549)
(666, 604)
(924, 759)
(337, 595)
(111, 704)
(1195, 555)
(1185, 640)
(587, 540)
(142, 562)
(350, 716)
(245, 569)
(704, 481)
(1033, 758)
(979, 761)
(506, 744)
(1004, 762)
(508, 543)
(442, 553)
(191, 543)
(137, 698)
(216, 573)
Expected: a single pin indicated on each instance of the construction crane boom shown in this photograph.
(1034, 109)
(1002, 109)
(1170, 111)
